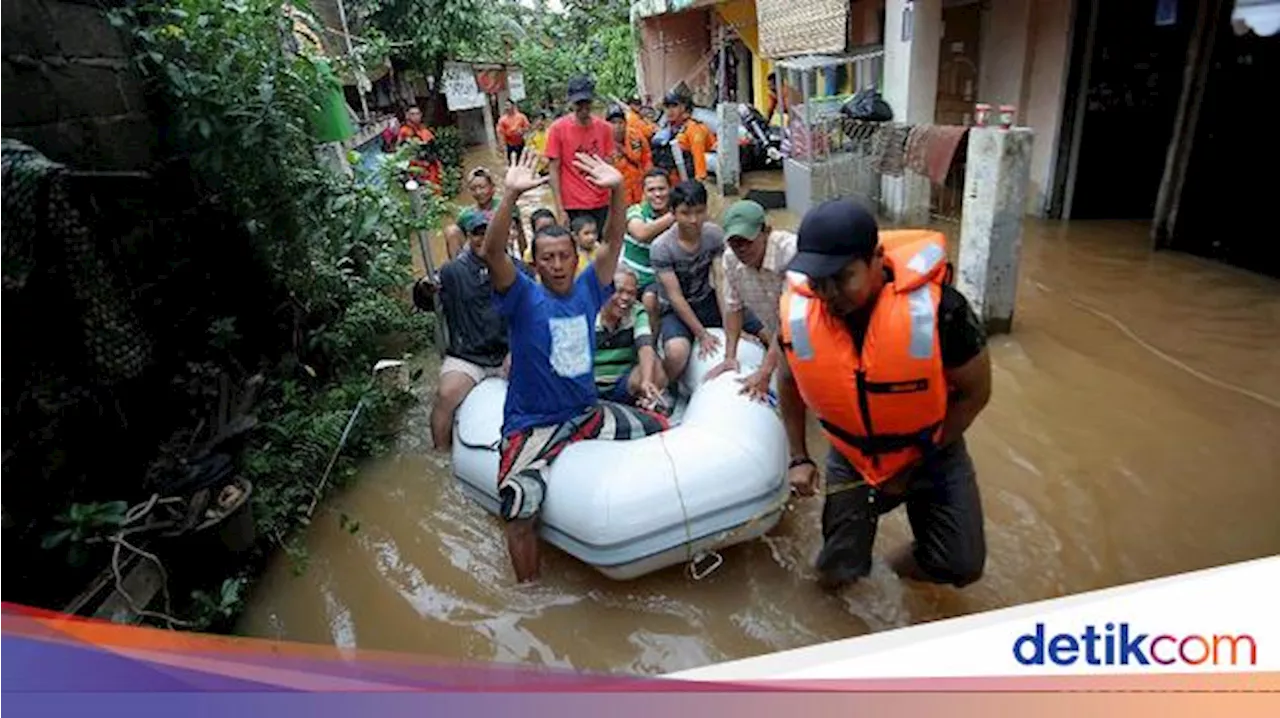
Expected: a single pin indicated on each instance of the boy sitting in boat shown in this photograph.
(626, 362)
(552, 399)
(684, 258)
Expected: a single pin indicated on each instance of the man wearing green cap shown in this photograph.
(754, 272)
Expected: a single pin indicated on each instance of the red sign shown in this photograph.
(491, 82)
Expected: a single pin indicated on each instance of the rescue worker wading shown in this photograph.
(893, 362)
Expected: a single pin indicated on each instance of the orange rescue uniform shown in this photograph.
(879, 408)
(646, 127)
(633, 159)
(697, 140)
(420, 133)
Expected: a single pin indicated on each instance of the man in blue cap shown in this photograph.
(893, 362)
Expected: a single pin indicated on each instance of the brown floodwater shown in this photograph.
(1132, 433)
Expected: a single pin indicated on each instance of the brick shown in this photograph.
(132, 91)
(117, 143)
(59, 141)
(123, 143)
(26, 95)
(26, 28)
(83, 31)
(84, 91)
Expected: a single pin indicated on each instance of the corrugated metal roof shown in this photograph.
(641, 9)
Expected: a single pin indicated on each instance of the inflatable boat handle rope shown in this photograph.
(694, 559)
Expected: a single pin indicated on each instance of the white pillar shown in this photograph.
(913, 34)
(997, 171)
(490, 127)
(728, 170)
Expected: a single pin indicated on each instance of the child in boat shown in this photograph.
(584, 231)
(684, 258)
(538, 140)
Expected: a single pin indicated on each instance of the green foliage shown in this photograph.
(337, 251)
(82, 523)
(592, 38)
(449, 148)
(220, 605)
(614, 49)
(431, 30)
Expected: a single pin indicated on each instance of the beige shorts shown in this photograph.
(476, 372)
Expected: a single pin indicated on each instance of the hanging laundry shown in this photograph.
(889, 152)
(917, 144)
(943, 142)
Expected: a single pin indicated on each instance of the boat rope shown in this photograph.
(479, 447)
(694, 559)
(495, 446)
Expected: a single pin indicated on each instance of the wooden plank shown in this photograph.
(142, 582)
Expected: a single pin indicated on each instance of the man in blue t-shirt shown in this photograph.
(551, 398)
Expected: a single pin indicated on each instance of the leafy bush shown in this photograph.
(337, 253)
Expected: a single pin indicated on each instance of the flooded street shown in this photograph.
(1132, 434)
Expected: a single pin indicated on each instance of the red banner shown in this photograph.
(491, 82)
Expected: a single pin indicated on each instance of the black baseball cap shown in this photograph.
(833, 234)
(675, 98)
(581, 89)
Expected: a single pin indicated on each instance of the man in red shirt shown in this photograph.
(577, 132)
(512, 127)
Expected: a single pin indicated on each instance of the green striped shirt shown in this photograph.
(635, 254)
(618, 349)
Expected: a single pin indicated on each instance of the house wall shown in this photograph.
(69, 89)
(1023, 62)
(1051, 36)
(671, 47)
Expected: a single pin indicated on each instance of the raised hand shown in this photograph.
(522, 175)
(597, 171)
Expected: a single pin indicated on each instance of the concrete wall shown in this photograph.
(1046, 77)
(911, 67)
(1006, 32)
(68, 88)
(1024, 55)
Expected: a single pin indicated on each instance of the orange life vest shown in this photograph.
(879, 409)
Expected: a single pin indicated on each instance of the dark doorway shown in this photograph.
(1135, 79)
(1224, 209)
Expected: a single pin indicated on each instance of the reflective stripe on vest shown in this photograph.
(926, 259)
(923, 321)
(798, 320)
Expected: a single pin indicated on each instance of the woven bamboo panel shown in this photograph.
(802, 27)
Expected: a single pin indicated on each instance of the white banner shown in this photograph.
(1219, 620)
(460, 89)
(515, 85)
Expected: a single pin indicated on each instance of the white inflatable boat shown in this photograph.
(629, 508)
